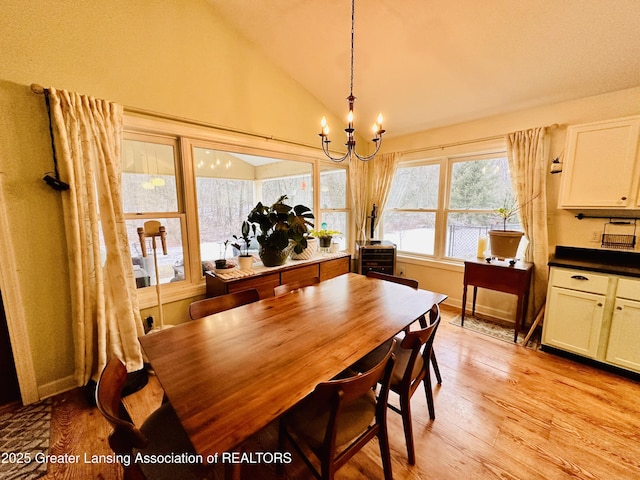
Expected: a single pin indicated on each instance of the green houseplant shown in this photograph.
(504, 243)
(282, 228)
(245, 259)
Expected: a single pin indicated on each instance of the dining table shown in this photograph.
(230, 374)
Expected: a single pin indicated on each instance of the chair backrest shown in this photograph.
(294, 285)
(209, 306)
(340, 392)
(420, 342)
(125, 435)
(409, 282)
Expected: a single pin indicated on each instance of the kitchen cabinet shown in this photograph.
(623, 347)
(602, 165)
(594, 315)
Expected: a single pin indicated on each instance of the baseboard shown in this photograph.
(59, 386)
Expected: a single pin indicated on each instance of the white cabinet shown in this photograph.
(600, 161)
(594, 315)
(623, 347)
(575, 311)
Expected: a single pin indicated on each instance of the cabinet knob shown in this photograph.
(618, 307)
(599, 304)
(623, 198)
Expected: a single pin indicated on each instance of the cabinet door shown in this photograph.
(573, 321)
(623, 348)
(599, 164)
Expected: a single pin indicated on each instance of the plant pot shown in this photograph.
(307, 253)
(325, 242)
(221, 263)
(245, 262)
(272, 257)
(504, 243)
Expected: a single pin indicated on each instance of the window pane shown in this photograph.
(333, 187)
(411, 231)
(283, 177)
(415, 187)
(463, 232)
(480, 184)
(170, 266)
(148, 177)
(336, 221)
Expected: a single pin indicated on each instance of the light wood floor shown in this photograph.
(503, 411)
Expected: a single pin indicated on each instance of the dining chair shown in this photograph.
(409, 282)
(294, 285)
(160, 434)
(209, 306)
(338, 418)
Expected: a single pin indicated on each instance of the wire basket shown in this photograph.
(624, 238)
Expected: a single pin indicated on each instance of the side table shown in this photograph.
(501, 276)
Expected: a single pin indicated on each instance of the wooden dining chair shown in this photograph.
(209, 306)
(294, 285)
(160, 434)
(409, 282)
(339, 418)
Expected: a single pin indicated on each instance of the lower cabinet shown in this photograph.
(594, 315)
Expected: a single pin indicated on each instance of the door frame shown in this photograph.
(15, 313)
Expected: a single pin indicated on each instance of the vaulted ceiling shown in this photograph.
(430, 63)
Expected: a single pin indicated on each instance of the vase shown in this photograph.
(245, 262)
(307, 253)
(272, 257)
(504, 243)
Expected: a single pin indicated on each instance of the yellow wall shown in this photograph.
(174, 57)
(564, 228)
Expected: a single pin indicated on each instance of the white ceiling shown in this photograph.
(429, 63)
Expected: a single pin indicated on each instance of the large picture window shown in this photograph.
(440, 207)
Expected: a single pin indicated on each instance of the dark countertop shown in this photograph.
(620, 262)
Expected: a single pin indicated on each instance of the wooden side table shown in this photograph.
(501, 276)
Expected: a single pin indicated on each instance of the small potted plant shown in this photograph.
(245, 259)
(222, 261)
(325, 236)
(504, 243)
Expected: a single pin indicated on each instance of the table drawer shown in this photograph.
(580, 280)
(301, 273)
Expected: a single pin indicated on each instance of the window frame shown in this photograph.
(190, 134)
(446, 156)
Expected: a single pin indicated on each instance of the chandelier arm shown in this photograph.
(325, 149)
(368, 157)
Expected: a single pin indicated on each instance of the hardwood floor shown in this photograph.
(502, 411)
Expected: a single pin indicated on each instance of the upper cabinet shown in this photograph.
(602, 165)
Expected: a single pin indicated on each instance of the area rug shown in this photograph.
(24, 441)
(496, 330)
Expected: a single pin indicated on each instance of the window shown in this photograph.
(440, 207)
(333, 202)
(200, 184)
(150, 191)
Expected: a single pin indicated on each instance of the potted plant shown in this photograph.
(504, 243)
(282, 228)
(222, 261)
(325, 236)
(245, 260)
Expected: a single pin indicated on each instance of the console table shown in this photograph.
(264, 279)
(501, 276)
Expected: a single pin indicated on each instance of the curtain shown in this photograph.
(528, 166)
(358, 186)
(106, 318)
(383, 170)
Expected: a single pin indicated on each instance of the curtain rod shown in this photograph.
(39, 89)
(466, 142)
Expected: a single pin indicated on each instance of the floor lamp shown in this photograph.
(152, 229)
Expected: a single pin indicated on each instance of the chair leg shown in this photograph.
(436, 370)
(281, 435)
(385, 452)
(405, 410)
(426, 381)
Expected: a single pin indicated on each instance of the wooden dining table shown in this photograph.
(230, 374)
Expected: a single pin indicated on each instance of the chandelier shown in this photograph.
(351, 142)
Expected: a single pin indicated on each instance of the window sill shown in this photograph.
(170, 293)
(450, 265)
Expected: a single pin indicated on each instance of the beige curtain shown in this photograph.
(358, 186)
(527, 154)
(106, 318)
(383, 170)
